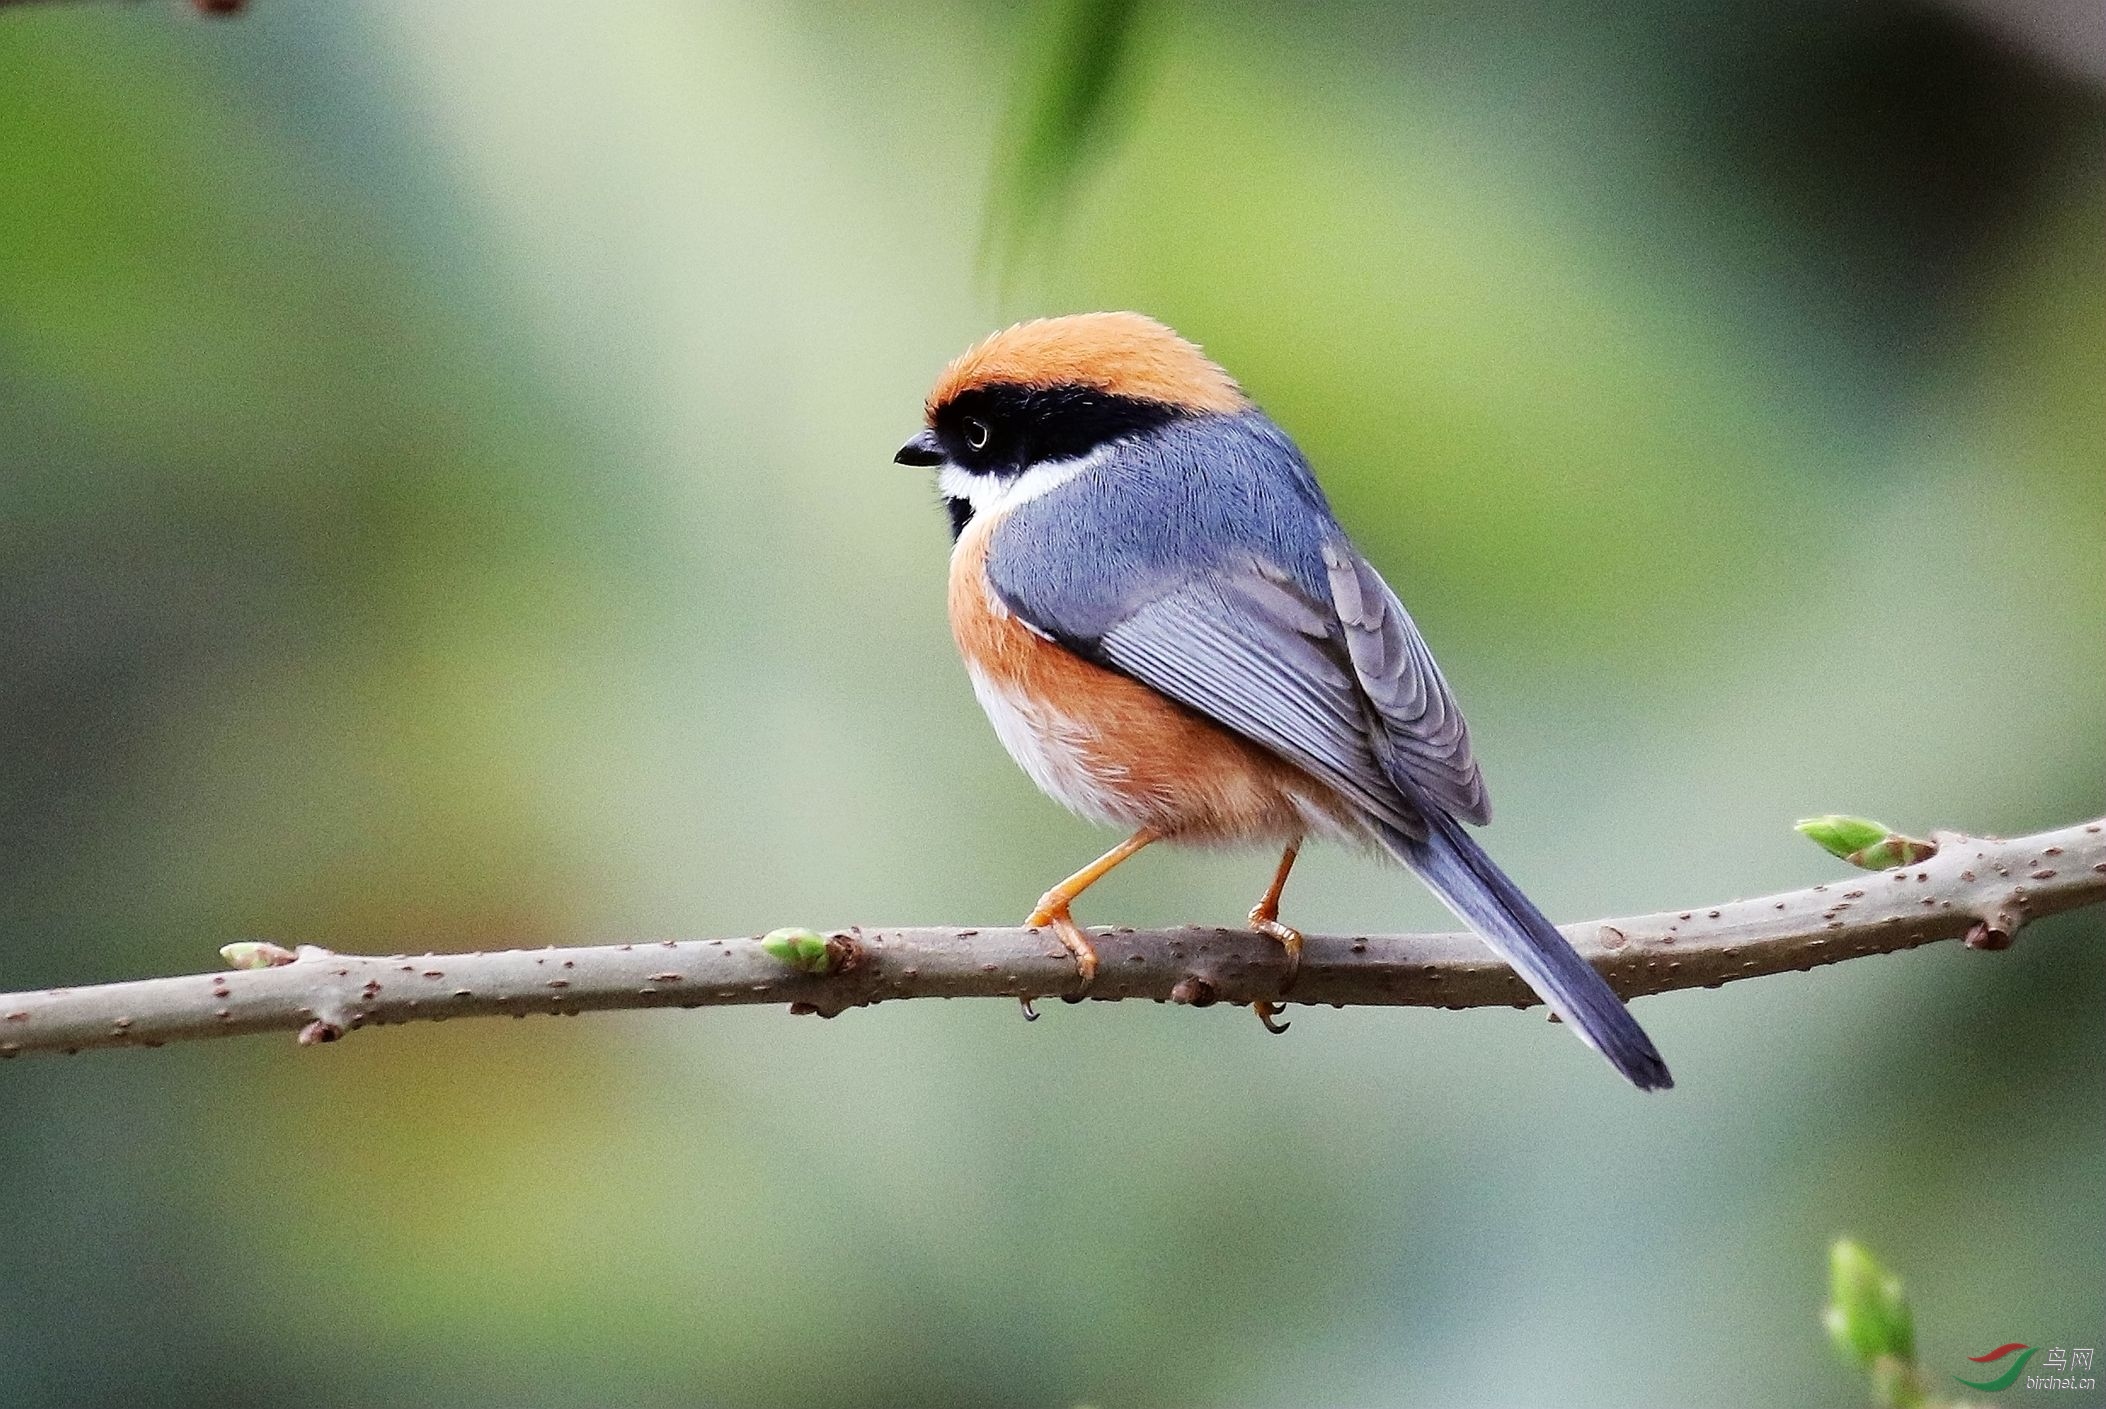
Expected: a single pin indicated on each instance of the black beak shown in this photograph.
(924, 450)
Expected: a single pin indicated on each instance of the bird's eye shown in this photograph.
(977, 433)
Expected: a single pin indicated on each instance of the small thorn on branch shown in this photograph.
(1983, 935)
(1193, 991)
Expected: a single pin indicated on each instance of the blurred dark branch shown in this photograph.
(203, 7)
(1978, 889)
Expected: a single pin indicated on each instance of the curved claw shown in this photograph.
(1267, 1012)
(1030, 1013)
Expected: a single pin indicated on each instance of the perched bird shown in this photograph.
(1173, 635)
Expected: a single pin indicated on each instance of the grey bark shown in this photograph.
(1979, 889)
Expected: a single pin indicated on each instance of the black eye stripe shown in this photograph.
(1031, 424)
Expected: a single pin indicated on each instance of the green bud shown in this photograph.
(1867, 1316)
(1839, 835)
(802, 950)
(1871, 845)
(255, 954)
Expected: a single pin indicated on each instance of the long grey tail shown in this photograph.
(1457, 870)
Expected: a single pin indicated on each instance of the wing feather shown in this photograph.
(1420, 720)
(1203, 562)
(1218, 652)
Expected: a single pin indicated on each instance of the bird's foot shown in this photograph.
(1267, 923)
(1052, 913)
(1288, 938)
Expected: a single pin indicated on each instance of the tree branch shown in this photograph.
(1979, 889)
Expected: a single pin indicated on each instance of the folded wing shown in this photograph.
(1247, 651)
(1204, 563)
(1418, 717)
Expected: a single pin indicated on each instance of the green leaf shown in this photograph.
(803, 950)
(1868, 1315)
(1072, 98)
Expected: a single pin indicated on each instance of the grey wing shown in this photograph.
(1421, 723)
(1246, 648)
(1205, 564)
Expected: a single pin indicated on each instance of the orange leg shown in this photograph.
(1265, 919)
(1053, 905)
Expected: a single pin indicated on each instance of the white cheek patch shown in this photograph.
(954, 483)
(996, 494)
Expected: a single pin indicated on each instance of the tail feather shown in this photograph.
(1456, 869)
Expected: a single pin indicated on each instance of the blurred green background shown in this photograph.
(445, 500)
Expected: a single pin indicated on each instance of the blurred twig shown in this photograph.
(203, 7)
(1075, 88)
(1971, 887)
(1870, 1323)
(1871, 1326)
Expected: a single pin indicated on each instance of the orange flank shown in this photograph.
(1112, 749)
(1125, 354)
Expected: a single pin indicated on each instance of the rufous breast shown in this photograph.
(1109, 748)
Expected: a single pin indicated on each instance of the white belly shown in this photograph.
(1050, 748)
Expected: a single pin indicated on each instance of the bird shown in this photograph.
(1173, 635)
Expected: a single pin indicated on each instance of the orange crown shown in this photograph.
(1125, 354)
